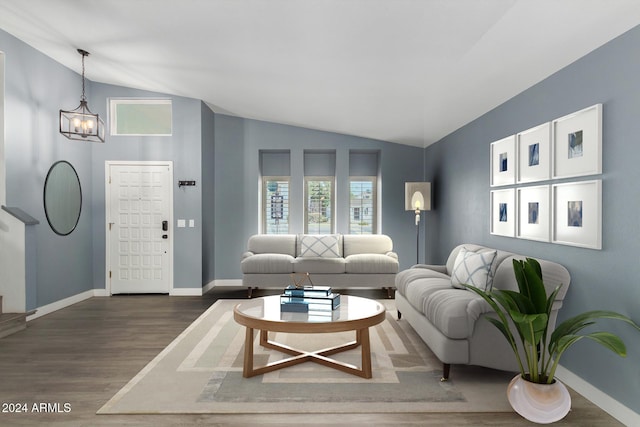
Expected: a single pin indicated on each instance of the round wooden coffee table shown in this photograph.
(263, 314)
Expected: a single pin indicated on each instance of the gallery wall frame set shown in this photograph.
(568, 147)
(568, 213)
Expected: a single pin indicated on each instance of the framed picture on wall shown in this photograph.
(577, 218)
(503, 212)
(577, 143)
(534, 213)
(534, 154)
(503, 161)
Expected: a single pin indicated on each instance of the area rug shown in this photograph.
(201, 372)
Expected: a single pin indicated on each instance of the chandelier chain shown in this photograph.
(83, 96)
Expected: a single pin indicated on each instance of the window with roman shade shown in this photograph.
(363, 201)
(319, 191)
(275, 170)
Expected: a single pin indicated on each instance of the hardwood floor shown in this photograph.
(82, 355)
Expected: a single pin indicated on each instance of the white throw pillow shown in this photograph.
(473, 268)
(323, 246)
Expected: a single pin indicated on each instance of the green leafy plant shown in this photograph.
(529, 310)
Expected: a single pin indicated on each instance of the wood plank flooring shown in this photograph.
(82, 355)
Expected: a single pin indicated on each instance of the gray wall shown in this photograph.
(36, 88)
(237, 145)
(607, 279)
(183, 148)
(219, 152)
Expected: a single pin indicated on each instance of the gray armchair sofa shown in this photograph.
(337, 260)
(449, 319)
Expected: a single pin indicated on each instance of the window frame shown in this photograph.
(263, 199)
(113, 116)
(374, 204)
(332, 201)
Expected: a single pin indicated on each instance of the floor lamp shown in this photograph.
(417, 197)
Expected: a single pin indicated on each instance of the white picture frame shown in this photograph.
(577, 218)
(503, 212)
(577, 143)
(534, 154)
(503, 162)
(534, 213)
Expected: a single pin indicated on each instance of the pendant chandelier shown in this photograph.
(81, 124)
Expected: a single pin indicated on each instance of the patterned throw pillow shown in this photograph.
(473, 268)
(324, 246)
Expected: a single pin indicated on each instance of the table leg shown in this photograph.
(264, 338)
(247, 367)
(363, 335)
(300, 356)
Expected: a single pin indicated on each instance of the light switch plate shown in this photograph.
(181, 223)
(192, 223)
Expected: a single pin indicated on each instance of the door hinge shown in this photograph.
(109, 274)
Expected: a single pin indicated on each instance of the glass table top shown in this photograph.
(351, 308)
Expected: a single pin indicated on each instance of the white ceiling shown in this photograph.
(405, 71)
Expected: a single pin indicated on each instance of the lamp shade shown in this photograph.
(417, 196)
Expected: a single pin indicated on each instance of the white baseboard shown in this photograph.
(206, 288)
(227, 282)
(55, 306)
(607, 403)
(74, 299)
(186, 292)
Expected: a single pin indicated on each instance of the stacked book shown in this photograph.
(316, 299)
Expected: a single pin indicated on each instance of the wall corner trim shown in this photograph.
(206, 288)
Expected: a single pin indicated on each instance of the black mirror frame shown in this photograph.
(44, 198)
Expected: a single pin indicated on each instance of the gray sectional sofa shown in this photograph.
(337, 260)
(450, 319)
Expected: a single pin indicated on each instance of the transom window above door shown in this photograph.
(140, 117)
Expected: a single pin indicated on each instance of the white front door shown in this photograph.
(139, 227)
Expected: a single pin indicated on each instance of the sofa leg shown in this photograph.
(445, 372)
(390, 292)
(399, 315)
(250, 292)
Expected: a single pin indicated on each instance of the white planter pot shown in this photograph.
(539, 403)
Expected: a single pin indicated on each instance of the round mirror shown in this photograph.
(62, 198)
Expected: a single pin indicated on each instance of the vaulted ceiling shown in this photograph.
(405, 71)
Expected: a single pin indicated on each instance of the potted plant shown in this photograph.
(528, 311)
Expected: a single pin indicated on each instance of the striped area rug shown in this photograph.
(201, 372)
